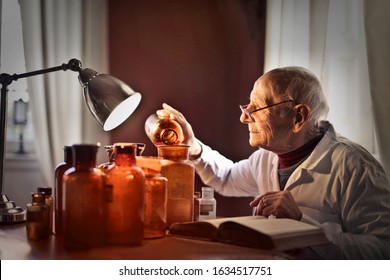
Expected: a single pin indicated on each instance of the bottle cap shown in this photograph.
(46, 190)
(207, 192)
(38, 198)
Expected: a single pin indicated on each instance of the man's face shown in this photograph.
(270, 129)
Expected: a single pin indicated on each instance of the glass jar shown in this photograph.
(155, 208)
(37, 218)
(181, 182)
(84, 211)
(125, 182)
(58, 190)
(162, 129)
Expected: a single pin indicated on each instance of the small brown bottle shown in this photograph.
(38, 218)
(49, 202)
(163, 130)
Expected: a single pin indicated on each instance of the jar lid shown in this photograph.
(207, 192)
(149, 162)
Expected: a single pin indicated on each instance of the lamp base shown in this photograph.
(9, 213)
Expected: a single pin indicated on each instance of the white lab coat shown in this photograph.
(339, 187)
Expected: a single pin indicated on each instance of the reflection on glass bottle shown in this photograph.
(58, 189)
(163, 130)
(83, 186)
(38, 218)
(181, 182)
(155, 208)
(125, 207)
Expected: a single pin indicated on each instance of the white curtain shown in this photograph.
(377, 27)
(55, 31)
(327, 37)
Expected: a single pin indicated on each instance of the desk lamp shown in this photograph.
(110, 101)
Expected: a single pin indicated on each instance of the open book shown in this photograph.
(253, 231)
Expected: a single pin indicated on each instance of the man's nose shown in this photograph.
(244, 118)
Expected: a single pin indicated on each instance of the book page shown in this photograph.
(276, 227)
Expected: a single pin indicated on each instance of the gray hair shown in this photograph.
(302, 86)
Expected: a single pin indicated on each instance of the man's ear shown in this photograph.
(302, 113)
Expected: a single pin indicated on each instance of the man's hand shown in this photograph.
(189, 136)
(280, 204)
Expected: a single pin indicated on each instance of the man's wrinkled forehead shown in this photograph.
(271, 85)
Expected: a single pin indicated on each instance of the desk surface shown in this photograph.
(15, 246)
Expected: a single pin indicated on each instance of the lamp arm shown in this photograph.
(73, 64)
(5, 81)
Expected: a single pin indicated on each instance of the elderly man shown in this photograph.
(302, 170)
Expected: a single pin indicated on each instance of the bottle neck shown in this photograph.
(124, 159)
(68, 155)
(84, 156)
(125, 154)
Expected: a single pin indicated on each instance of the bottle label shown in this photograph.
(204, 210)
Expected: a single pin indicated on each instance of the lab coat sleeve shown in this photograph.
(225, 176)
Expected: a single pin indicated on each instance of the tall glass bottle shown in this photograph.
(125, 181)
(155, 208)
(58, 191)
(181, 182)
(84, 211)
(163, 130)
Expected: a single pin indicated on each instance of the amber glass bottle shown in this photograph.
(181, 182)
(58, 191)
(38, 218)
(155, 208)
(163, 130)
(125, 207)
(83, 186)
(49, 201)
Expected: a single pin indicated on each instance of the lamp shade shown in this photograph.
(110, 100)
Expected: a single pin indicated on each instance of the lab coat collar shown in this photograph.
(313, 162)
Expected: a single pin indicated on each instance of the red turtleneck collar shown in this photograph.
(293, 157)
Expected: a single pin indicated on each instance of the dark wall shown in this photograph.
(201, 57)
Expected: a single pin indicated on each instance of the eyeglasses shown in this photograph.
(249, 113)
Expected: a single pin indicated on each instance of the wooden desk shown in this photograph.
(15, 246)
